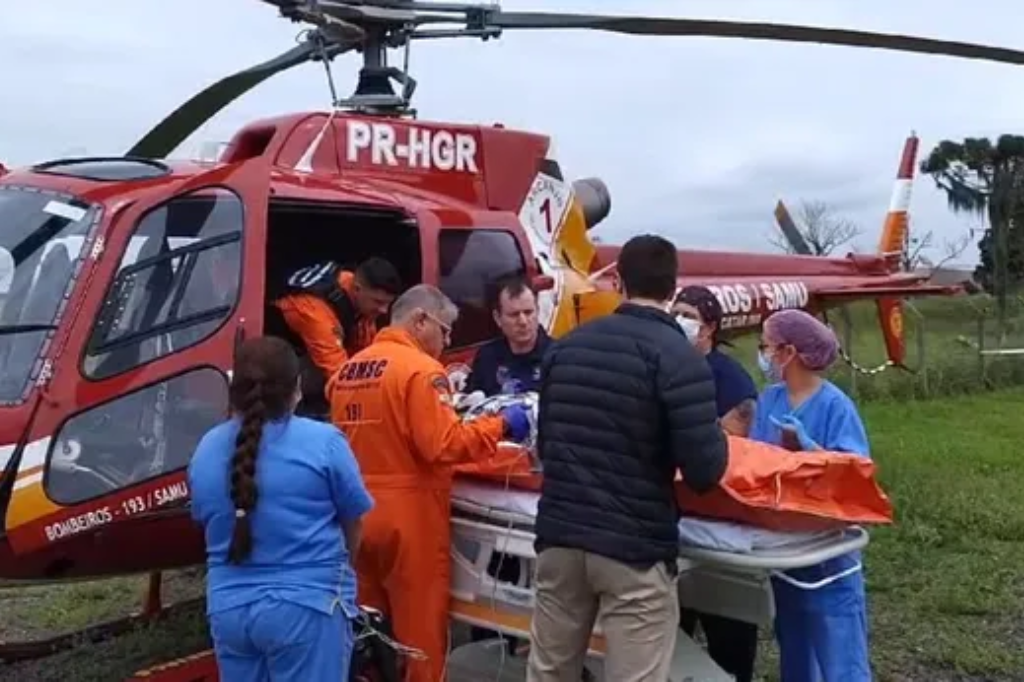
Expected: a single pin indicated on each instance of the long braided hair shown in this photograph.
(263, 388)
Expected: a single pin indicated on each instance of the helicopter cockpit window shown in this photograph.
(469, 260)
(43, 240)
(134, 438)
(176, 283)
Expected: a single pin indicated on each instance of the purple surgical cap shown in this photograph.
(815, 343)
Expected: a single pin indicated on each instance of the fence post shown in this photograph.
(848, 343)
(982, 365)
(921, 332)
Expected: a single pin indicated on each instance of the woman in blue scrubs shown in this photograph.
(820, 611)
(280, 499)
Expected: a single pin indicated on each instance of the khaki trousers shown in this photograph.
(638, 612)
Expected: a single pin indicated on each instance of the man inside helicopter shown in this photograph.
(334, 313)
(511, 362)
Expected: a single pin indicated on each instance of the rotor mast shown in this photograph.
(374, 92)
(374, 26)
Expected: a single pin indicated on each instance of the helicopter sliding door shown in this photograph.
(144, 376)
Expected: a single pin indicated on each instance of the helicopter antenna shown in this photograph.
(321, 51)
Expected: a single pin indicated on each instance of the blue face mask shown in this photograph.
(768, 368)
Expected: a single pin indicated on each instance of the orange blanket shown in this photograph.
(764, 486)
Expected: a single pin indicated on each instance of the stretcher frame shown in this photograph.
(734, 585)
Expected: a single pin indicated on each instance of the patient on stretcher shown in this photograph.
(769, 497)
(764, 486)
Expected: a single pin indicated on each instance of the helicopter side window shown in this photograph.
(135, 437)
(469, 260)
(177, 282)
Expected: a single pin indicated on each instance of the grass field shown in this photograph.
(946, 583)
(39, 612)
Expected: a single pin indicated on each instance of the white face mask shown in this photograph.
(689, 326)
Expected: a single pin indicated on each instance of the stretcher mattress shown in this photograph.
(724, 565)
(519, 507)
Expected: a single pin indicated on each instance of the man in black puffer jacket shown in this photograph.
(625, 401)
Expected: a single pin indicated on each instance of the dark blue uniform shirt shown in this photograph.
(496, 369)
(733, 384)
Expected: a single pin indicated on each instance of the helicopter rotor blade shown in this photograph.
(654, 26)
(790, 231)
(186, 119)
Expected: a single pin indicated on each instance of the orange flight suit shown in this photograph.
(393, 402)
(315, 322)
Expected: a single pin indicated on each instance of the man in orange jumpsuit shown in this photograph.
(394, 403)
(334, 313)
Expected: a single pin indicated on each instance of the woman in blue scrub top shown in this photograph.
(280, 499)
(820, 611)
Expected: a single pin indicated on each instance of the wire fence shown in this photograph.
(954, 346)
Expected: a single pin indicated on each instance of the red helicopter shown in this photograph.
(127, 282)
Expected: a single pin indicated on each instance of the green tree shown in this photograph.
(987, 179)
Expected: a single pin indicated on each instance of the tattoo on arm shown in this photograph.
(740, 418)
(745, 410)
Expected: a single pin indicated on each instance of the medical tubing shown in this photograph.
(510, 527)
(817, 585)
(497, 572)
(398, 647)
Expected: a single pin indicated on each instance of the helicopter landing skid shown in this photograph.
(152, 611)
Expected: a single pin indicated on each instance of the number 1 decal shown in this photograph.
(545, 211)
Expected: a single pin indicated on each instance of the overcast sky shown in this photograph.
(696, 138)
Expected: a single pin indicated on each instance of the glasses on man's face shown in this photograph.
(446, 329)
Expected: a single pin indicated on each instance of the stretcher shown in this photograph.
(724, 567)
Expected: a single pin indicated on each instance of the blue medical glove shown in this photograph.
(791, 423)
(517, 422)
